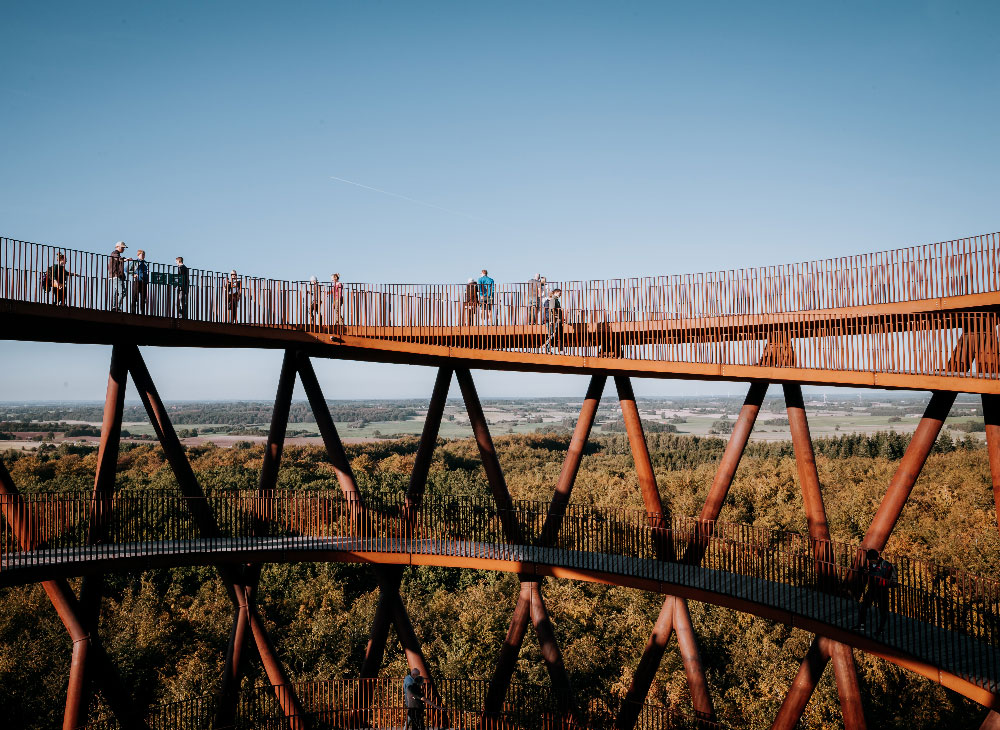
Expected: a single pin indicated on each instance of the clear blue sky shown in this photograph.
(582, 140)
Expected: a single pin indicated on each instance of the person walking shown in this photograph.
(486, 293)
(555, 321)
(413, 693)
(234, 291)
(57, 280)
(336, 296)
(182, 288)
(879, 576)
(116, 272)
(140, 283)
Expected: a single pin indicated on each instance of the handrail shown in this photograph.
(378, 702)
(653, 319)
(791, 571)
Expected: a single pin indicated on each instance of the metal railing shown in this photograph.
(378, 703)
(949, 618)
(774, 316)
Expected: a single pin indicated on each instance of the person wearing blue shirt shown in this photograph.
(140, 283)
(486, 291)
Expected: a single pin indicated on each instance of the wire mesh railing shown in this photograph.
(379, 703)
(785, 316)
(945, 616)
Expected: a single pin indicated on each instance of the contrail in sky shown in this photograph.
(411, 200)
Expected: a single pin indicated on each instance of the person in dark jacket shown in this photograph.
(555, 321)
(183, 282)
(140, 283)
(414, 695)
(57, 280)
(234, 292)
(879, 576)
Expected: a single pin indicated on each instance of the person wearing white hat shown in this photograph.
(314, 297)
(471, 300)
(534, 298)
(116, 272)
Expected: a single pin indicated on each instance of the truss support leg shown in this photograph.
(803, 685)
(805, 462)
(551, 654)
(645, 673)
(240, 590)
(846, 673)
(279, 423)
(991, 414)
(676, 608)
(488, 453)
(232, 668)
(510, 649)
(92, 587)
(379, 634)
(991, 721)
(348, 485)
(726, 471)
(571, 464)
(908, 470)
(691, 657)
(734, 453)
(530, 605)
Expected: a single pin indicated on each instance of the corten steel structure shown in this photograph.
(918, 318)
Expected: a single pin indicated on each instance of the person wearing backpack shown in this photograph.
(879, 576)
(413, 694)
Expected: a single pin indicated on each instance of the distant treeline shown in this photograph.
(235, 413)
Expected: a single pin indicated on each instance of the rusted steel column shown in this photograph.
(847, 686)
(172, 447)
(991, 721)
(805, 461)
(488, 453)
(284, 692)
(111, 433)
(693, 668)
(75, 714)
(644, 469)
(571, 464)
(803, 685)
(279, 423)
(349, 487)
(92, 586)
(207, 525)
(734, 452)
(991, 414)
(503, 670)
(379, 634)
(511, 647)
(550, 652)
(908, 470)
(644, 674)
(428, 438)
(328, 431)
(231, 670)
